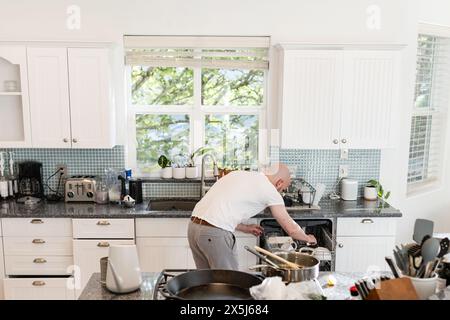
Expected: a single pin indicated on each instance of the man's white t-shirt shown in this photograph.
(237, 197)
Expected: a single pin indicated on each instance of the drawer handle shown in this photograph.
(103, 244)
(340, 245)
(367, 221)
(38, 283)
(39, 260)
(103, 223)
(38, 241)
(36, 221)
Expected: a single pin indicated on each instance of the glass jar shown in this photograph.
(102, 192)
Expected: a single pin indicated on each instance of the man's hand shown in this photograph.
(254, 229)
(311, 239)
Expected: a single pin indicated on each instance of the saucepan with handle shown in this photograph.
(308, 267)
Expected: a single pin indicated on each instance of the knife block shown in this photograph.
(395, 289)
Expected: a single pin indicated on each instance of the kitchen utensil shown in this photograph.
(277, 257)
(422, 228)
(309, 268)
(431, 268)
(430, 250)
(263, 258)
(123, 272)
(211, 285)
(393, 267)
(399, 261)
(394, 289)
(445, 244)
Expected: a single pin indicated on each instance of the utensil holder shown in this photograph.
(395, 289)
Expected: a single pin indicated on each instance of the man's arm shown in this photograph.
(250, 228)
(289, 225)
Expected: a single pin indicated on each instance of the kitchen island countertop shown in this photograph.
(94, 290)
(327, 209)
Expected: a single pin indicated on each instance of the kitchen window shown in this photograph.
(189, 92)
(429, 116)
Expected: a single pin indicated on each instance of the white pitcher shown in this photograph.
(123, 273)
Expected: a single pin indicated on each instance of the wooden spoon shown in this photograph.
(291, 265)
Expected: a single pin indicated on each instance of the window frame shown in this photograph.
(433, 183)
(197, 113)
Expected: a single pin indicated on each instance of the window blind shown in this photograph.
(428, 123)
(203, 52)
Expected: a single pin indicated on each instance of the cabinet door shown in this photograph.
(49, 97)
(87, 255)
(15, 128)
(91, 107)
(311, 97)
(156, 254)
(39, 289)
(370, 99)
(245, 258)
(361, 254)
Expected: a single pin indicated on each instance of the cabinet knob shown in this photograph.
(39, 260)
(340, 245)
(344, 140)
(36, 221)
(38, 241)
(335, 141)
(38, 283)
(103, 244)
(74, 140)
(65, 140)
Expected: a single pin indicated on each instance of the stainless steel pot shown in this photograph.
(309, 267)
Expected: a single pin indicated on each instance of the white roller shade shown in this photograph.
(428, 124)
(206, 52)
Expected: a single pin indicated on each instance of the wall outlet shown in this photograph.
(343, 171)
(62, 169)
(344, 154)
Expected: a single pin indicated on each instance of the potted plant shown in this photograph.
(192, 169)
(375, 190)
(166, 167)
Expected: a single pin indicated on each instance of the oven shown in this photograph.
(322, 229)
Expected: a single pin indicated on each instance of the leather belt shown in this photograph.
(202, 222)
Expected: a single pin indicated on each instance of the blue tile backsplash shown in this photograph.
(315, 166)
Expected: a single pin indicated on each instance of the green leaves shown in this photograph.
(164, 162)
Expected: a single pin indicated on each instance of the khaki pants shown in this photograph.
(212, 248)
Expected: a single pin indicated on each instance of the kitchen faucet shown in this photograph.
(203, 187)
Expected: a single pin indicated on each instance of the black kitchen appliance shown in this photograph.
(30, 180)
(135, 187)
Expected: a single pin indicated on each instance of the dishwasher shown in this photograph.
(321, 229)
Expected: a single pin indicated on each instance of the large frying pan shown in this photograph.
(211, 285)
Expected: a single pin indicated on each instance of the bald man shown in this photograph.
(233, 199)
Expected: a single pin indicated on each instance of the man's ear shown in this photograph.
(279, 183)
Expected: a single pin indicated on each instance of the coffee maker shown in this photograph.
(30, 181)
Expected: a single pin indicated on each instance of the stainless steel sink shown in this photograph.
(172, 205)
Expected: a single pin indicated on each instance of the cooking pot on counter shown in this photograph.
(309, 267)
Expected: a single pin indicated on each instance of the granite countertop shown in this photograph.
(94, 290)
(327, 209)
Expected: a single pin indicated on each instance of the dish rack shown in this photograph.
(301, 192)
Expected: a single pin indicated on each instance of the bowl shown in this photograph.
(129, 204)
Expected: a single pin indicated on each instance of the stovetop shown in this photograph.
(163, 278)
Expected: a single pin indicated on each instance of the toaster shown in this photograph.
(80, 189)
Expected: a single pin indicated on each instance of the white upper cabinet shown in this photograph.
(49, 97)
(71, 98)
(370, 99)
(311, 98)
(91, 109)
(340, 98)
(15, 130)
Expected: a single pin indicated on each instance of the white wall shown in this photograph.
(319, 21)
(435, 204)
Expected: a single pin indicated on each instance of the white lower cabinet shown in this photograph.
(87, 255)
(245, 258)
(39, 289)
(363, 243)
